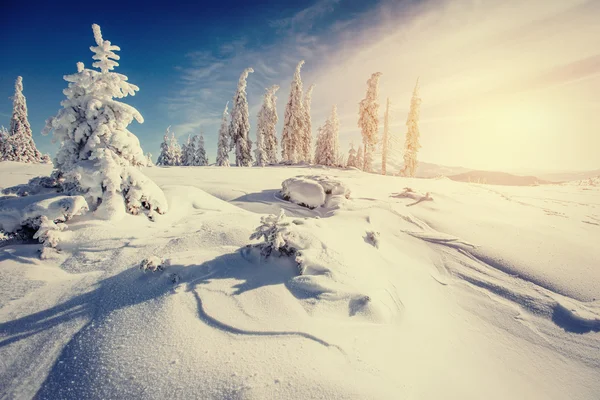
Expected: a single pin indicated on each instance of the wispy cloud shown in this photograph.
(304, 19)
(476, 59)
(210, 77)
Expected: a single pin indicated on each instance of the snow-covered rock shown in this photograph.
(314, 191)
(303, 191)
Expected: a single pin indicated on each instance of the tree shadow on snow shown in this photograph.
(76, 373)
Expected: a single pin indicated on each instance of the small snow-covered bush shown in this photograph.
(275, 231)
(152, 264)
(373, 238)
(314, 191)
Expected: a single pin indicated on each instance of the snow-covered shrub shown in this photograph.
(276, 233)
(372, 238)
(40, 216)
(48, 234)
(153, 264)
(97, 153)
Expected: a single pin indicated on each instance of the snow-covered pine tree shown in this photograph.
(5, 145)
(351, 162)
(319, 146)
(412, 146)
(368, 120)
(293, 122)
(359, 158)
(24, 148)
(224, 140)
(385, 141)
(333, 156)
(188, 152)
(328, 141)
(270, 131)
(164, 158)
(266, 133)
(305, 144)
(200, 155)
(98, 157)
(175, 150)
(239, 128)
(149, 162)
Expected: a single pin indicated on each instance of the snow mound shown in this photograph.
(314, 191)
(27, 211)
(303, 191)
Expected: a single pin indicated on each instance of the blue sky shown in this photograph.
(505, 85)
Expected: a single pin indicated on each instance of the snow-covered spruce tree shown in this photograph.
(385, 141)
(188, 152)
(24, 149)
(359, 158)
(164, 158)
(327, 141)
(368, 120)
(98, 157)
(318, 159)
(412, 146)
(239, 128)
(293, 122)
(175, 149)
(149, 162)
(333, 139)
(266, 133)
(223, 144)
(305, 148)
(351, 162)
(5, 145)
(200, 158)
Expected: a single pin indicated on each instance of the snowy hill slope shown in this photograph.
(481, 292)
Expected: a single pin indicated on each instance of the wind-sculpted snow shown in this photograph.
(476, 293)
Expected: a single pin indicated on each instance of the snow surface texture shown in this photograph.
(484, 292)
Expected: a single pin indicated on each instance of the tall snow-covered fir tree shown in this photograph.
(23, 146)
(188, 152)
(239, 128)
(175, 149)
(368, 120)
(412, 146)
(200, 158)
(305, 143)
(223, 144)
(98, 157)
(5, 145)
(293, 121)
(385, 141)
(359, 158)
(327, 149)
(164, 158)
(266, 133)
(351, 162)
